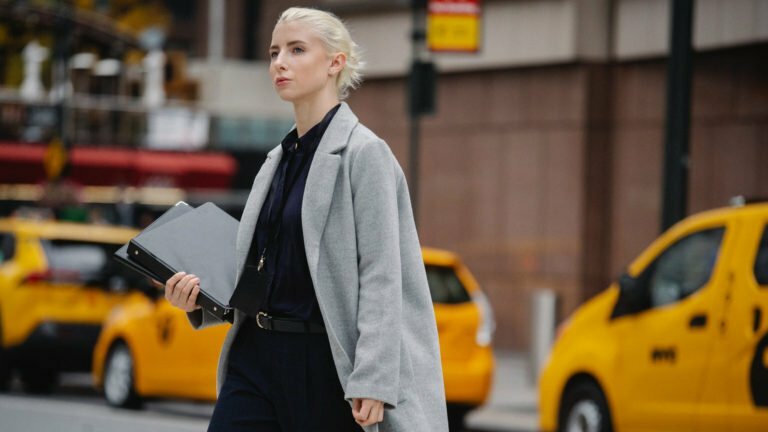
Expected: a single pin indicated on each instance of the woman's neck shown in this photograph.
(309, 113)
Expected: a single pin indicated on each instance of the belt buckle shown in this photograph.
(258, 320)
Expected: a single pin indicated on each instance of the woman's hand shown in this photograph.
(367, 411)
(181, 291)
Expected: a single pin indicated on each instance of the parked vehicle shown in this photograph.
(58, 283)
(148, 348)
(679, 343)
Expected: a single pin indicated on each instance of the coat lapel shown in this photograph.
(321, 182)
(253, 206)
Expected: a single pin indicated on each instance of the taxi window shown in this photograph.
(445, 286)
(7, 247)
(684, 267)
(88, 263)
(761, 261)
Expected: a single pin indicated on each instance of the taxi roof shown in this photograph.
(748, 210)
(435, 256)
(68, 230)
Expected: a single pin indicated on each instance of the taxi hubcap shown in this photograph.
(584, 417)
(117, 383)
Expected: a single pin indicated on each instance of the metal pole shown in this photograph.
(678, 116)
(216, 20)
(413, 164)
(419, 52)
(60, 85)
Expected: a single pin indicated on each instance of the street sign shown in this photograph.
(454, 25)
(55, 158)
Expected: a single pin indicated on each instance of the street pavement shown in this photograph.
(77, 408)
(512, 406)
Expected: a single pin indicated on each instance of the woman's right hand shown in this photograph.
(181, 291)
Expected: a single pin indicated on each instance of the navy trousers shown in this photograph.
(281, 382)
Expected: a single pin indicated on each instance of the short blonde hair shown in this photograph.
(336, 38)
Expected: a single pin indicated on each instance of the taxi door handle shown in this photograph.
(757, 319)
(698, 321)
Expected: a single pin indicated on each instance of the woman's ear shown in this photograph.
(338, 61)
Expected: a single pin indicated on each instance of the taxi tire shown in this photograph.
(456, 416)
(119, 374)
(585, 395)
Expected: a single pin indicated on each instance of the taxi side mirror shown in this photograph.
(632, 297)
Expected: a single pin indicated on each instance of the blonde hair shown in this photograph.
(336, 38)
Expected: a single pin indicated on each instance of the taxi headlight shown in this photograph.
(487, 322)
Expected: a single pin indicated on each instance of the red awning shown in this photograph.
(99, 166)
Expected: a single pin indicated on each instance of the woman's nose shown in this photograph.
(277, 62)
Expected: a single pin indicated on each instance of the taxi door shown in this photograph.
(737, 387)
(665, 347)
(182, 361)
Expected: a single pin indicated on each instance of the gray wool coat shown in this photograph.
(366, 265)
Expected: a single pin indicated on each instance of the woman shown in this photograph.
(334, 328)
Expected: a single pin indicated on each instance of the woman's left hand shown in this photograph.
(367, 411)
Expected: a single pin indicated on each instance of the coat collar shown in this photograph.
(335, 137)
(318, 191)
(321, 183)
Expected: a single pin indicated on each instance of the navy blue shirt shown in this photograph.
(291, 293)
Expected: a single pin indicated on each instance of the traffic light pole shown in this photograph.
(418, 53)
(678, 116)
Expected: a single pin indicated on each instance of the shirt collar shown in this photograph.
(311, 139)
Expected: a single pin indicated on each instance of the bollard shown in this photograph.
(543, 311)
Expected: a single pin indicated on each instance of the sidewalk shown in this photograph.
(513, 402)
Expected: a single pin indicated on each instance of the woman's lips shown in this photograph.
(281, 81)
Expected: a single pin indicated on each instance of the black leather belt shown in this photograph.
(267, 322)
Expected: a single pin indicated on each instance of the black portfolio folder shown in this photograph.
(121, 255)
(201, 242)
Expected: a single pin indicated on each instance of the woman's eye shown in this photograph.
(298, 50)
(273, 55)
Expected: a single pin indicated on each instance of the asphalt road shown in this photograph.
(77, 407)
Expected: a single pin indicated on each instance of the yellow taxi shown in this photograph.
(58, 282)
(146, 345)
(678, 343)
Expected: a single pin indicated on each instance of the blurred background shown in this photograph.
(537, 145)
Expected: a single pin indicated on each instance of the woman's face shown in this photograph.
(300, 66)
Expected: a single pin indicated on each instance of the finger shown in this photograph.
(192, 302)
(173, 280)
(179, 288)
(365, 410)
(355, 407)
(171, 283)
(188, 300)
(186, 290)
(379, 412)
(374, 416)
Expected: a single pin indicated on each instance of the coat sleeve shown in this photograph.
(201, 319)
(376, 369)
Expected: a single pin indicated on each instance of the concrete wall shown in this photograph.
(501, 179)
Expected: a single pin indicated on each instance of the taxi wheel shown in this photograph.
(5, 365)
(584, 409)
(119, 385)
(456, 415)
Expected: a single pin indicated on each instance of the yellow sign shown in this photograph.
(55, 158)
(454, 25)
